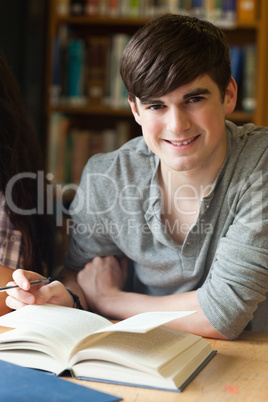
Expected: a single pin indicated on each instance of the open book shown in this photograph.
(137, 351)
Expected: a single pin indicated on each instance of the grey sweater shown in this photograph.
(117, 211)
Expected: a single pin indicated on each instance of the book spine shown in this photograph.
(63, 132)
(108, 74)
(53, 143)
(63, 7)
(97, 67)
(58, 131)
(236, 57)
(55, 89)
(197, 8)
(213, 10)
(135, 8)
(119, 42)
(229, 11)
(246, 10)
(109, 140)
(91, 7)
(122, 130)
(96, 142)
(218, 10)
(249, 79)
(68, 158)
(76, 71)
(113, 8)
(80, 154)
(103, 7)
(173, 6)
(63, 46)
(77, 7)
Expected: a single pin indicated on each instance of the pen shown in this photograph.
(45, 280)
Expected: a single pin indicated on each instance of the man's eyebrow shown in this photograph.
(194, 92)
(151, 102)
(197, 92)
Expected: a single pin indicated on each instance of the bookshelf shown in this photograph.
(98, 116)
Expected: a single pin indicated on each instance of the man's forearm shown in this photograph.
(126, 304)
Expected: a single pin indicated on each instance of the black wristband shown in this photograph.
(77, 303)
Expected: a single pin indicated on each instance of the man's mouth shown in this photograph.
(186, 142)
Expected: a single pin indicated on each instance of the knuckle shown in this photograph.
(80, 276)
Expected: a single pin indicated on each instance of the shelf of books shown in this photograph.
(87, 105)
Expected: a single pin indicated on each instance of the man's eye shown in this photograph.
(155, 107)
(195, 99)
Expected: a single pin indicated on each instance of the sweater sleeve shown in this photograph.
(238, 279)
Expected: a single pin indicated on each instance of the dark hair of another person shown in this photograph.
(173, 50)
(19, 153)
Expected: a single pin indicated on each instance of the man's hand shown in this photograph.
(53, 293)
(102, 279)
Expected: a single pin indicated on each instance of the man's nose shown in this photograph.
(177, 121)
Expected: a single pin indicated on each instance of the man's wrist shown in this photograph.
(112, 305)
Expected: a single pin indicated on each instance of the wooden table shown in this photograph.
(238, 372)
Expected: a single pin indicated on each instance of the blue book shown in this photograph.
(21, 384)
(229, 10)
(76, 71)
(55, 89)
(197, 8)
(236, 56)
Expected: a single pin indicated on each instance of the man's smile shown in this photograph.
(181, 143)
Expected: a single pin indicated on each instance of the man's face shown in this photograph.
(186, 127)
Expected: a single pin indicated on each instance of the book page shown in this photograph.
(33, 359)
(151, 350)
(140, 324)
(50, 324)
(144, 322)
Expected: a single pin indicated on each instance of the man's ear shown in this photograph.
(230, 96)
(134, 110)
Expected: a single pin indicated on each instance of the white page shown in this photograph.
(57, 323)
(151, 349)
(144, 322)
(62, 326)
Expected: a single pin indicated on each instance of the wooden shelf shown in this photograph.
(102, 20)
(138, 21)
(90, 110)
(241, 117)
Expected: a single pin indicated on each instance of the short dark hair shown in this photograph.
(172, 50)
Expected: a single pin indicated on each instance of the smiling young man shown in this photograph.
(186, 130)
(180, 214)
